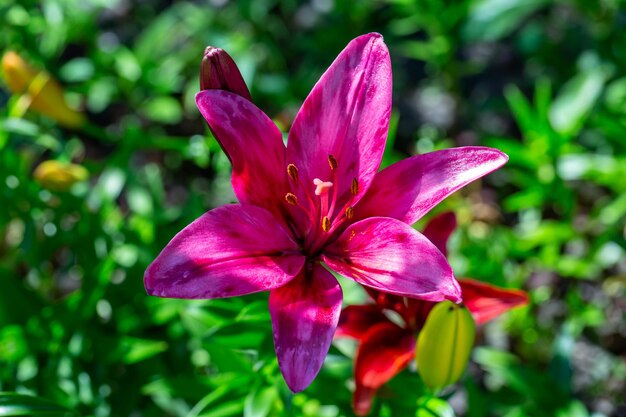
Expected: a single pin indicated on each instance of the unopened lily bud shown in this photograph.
(45, 94)
(218, 71)
(59, 176)
(444, 345)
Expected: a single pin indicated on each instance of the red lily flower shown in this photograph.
(386, 348)
(319, 200)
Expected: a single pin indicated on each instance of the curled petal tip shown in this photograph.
(454, 293)
(456, 299)
(505, 157)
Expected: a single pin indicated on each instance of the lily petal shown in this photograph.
(392, 257)
(231, 250)
(408, 189)
(439, 229)
(486, 301)
(254, 145)
(304, 314)
(356, 320)
(385, 350)
(406, 308)
(346, 115)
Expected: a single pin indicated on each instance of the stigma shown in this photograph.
(322, 187)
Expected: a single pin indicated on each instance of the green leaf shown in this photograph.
(136, 350)
(77, 70)
(232, 408)
(127, 65)
(163, 110)
(13, 404)
(19, 126)
(259, 403)
(575, 101)
(490, 20)
(433, 407)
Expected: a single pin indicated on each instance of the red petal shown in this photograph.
(362, 400)
(356, 320)
(385, 350)
(486, 301)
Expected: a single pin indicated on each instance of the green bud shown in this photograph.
(444, 345)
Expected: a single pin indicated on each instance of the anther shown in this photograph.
(291, 199)
(349, 213)
(332, 162)
(325, 224)
(292, 170)
(354, 187)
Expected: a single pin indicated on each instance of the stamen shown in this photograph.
(292, 170)
(291, 199)
(321, 187)
(354, 187)
(349, 213)
(332, 162)
(325, 224)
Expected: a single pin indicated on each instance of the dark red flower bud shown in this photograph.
(219, 72)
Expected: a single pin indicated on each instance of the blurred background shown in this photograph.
(543, 81)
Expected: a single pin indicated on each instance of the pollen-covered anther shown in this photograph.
(321, 187)
(332, 162)
(291, 199)
(292, 171)
(349, 213)
(354, 187)
(325, 224)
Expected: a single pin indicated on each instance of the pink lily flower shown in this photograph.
(318, 205)
(386, 348)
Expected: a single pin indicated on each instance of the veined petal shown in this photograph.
(486, 301)
(231, 250)
(392, 257)
(304, 314)
(439, 229)
(253, 144)
(385, 350)
(346, 115)
(408, 189)
(355, 320)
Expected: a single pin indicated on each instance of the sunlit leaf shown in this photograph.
(12, 404)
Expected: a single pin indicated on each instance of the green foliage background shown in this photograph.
(544, 81)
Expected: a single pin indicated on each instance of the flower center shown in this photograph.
(322, 210)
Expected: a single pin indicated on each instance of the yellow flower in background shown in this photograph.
(43, 93)
(59, 176)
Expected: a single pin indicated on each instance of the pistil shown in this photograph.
(322, 212)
